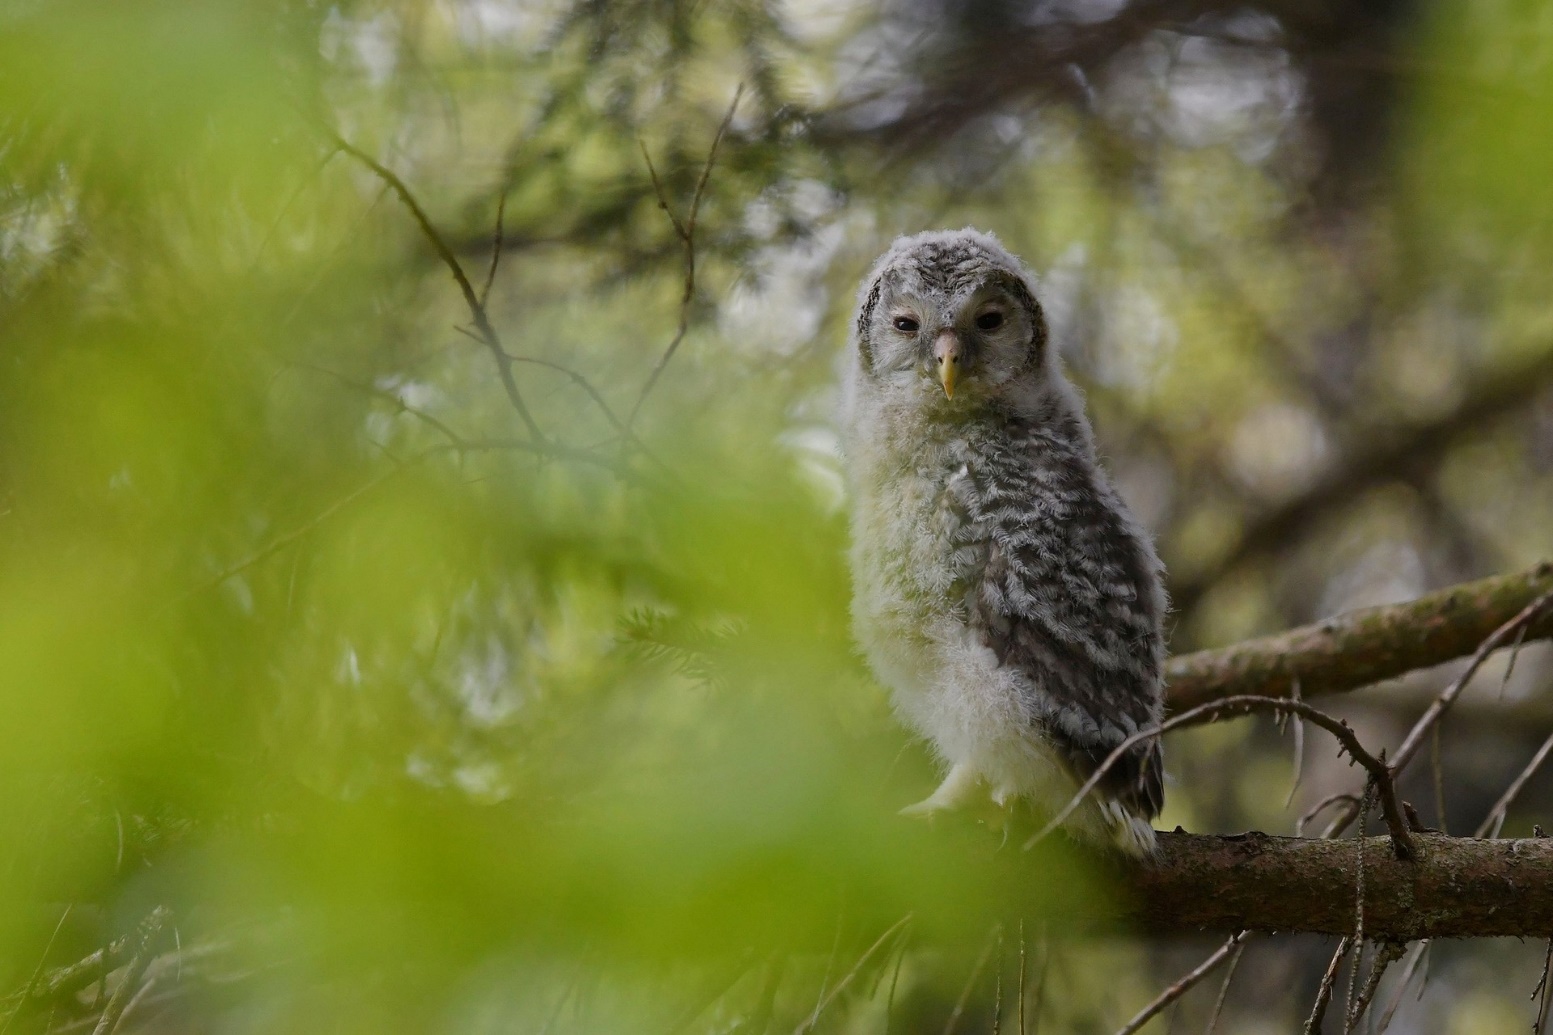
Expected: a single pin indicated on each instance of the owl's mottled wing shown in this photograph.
(1064, 597)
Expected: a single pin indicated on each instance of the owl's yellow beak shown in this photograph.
(946, 353)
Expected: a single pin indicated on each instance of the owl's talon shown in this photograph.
(958, 789)
(924, 809)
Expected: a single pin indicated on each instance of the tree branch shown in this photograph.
(1362, 647)
(1455, 887)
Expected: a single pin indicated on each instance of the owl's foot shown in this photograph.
(958, 790)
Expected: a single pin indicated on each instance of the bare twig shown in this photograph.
(1386, 953)
(970, 984)
(1378, 771)
(1299, 746)
(1229, 975)
(1447, 697)
(686, 232)
(393, 399)
(1540, 993)
(496, 245)
(1022, 976)
(847, 979)
(1442, 703)
(1414, 956)
(150, 927)
(1494, 821)
(1040, 984)
(1437, 770)
(32, 982)
(997, 989)
(895, 977)
(576, 378)
(472, 299)
(1316, 809)
(1358, 932)
(1318, 1010)
(1182, 985)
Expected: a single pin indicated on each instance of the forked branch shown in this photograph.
(685, 230)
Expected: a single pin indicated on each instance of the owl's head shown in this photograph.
(952, 316)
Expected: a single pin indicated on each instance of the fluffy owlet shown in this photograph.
(1002, 590)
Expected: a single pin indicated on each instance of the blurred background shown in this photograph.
(417, 707)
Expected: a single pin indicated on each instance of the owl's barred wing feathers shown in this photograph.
(1068, 599)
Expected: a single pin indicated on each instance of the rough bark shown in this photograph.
(1458, 887)
(1362, 647)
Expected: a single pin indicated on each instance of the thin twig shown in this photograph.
(1416, 954)
(1182, 985)
(578, 379)
(1386, 954)
(997, 989)
(130, 984)
(32, 982)
(1540, 1024)
(1447, 697)
(846, 980)
(472, 300)
(1021, 976)
(1229, 975)
(280, 542)
(1299, 745)
(1437, 770)
(392, 398)
(895, 976)
(1316, 809)
(970, 984)
(1494, 821)
(687, 234)
(496, 246)
(1358, 934)
(1318, 1010)
(823, 999)
(1040, 984)
(1379, 772)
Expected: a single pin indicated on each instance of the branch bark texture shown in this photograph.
(1456, 887)
(1362, 647)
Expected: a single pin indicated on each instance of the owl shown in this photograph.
(1001, 588)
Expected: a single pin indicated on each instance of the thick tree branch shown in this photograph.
(1456, 887)
(1362, 647)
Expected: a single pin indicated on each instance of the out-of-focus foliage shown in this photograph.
(418, 723)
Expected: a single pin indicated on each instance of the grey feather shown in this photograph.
(1002, 589)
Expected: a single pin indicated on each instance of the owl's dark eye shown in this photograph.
(906, 324)
(990, 321)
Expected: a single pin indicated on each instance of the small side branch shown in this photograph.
(1380, 774)
(1184, 985)
(685, 230)
(472, 299)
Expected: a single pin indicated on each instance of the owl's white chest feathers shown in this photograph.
(918, 541)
